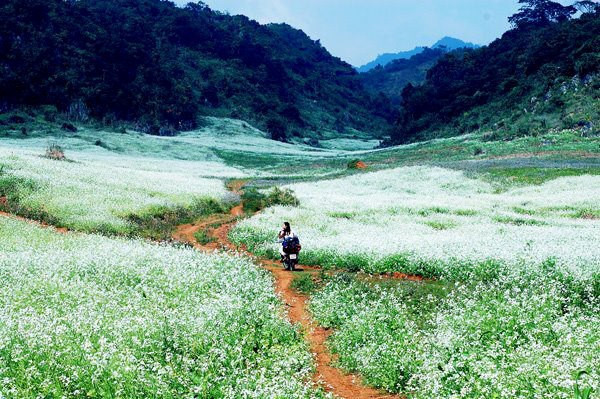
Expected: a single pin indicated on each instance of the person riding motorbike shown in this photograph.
(289, 259)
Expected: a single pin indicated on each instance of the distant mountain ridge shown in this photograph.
(450, 43)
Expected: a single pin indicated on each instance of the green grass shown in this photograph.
(159, 222)
(526, 176)
(203, 237)
(439, 225)
(342, 215)
(438, 340)
(305, 283)
(519, 221)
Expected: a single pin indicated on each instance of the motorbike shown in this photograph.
(290, 261)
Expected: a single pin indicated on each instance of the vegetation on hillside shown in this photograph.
(159, 67)
(393, 77)
(542, 74)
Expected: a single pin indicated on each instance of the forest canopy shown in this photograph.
(162, 67)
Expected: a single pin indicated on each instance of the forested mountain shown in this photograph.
(542, 74)
(392, 78)
(449, 43)
(161, 67)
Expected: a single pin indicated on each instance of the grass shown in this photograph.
(159, 222)
(519, 221)
(439, 225)
(498, 224)
(203, 237)
(439, 340)
(526, 176)
(305, 283)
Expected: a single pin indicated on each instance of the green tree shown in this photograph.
(541, 12)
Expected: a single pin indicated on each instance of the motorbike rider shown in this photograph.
(286, 231)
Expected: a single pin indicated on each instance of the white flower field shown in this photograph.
(506, 302)
(88, 316)
(515, 313)
(438, 222)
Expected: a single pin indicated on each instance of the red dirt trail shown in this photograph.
(332, 379)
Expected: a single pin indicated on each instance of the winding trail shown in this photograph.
(332, 379)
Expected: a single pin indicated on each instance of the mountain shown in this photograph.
(449, 43)
(543, 74)
(392, 78)
(161, 68)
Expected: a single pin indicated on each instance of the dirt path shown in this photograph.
(333, 380)
(217, 227)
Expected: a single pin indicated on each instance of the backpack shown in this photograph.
(291, 245)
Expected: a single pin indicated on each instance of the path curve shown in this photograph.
(332, 379)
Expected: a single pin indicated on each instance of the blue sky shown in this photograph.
(358, 30)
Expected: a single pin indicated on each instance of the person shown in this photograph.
(286, 231)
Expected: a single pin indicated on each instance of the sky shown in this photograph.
(359, 30)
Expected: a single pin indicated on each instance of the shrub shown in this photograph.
(276, 129)
(283, 197)
(254, 200)
(356, 164)
(68, 127)
(56, 152)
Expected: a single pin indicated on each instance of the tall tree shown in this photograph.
(539, 12)
(587, 6)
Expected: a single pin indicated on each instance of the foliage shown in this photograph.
(449, 341)
(521, 83)
(305, 283)
(160, 67)
(158, 222)
(55, 152)
(203, 237)
(541, 12)
(254, 200)
(439, 223)
(104, 194)
(394, 76)
(284, 197)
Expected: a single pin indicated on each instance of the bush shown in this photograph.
(55, 152)
(356, 164)
(277, 129)
(254, 200)
(283, 197)
(69, 127)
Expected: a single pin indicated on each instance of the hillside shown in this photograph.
(392, 78)
(541, 75)
(449, 43)
(159, 68)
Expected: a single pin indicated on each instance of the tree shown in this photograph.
(540, 12)
(276, 129)
(587, 6)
